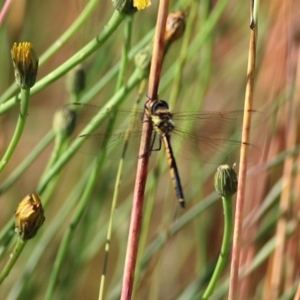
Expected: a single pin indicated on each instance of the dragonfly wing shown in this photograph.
(112, 121)
(219, 124)
(201, 137)
(113, 130)
(209, 149)
(124, 145)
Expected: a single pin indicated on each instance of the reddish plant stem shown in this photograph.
(4, 11)
(158, 50)
(279, 275)
(141, 175)
(233, 288)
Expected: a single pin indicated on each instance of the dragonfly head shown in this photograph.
(158, 107)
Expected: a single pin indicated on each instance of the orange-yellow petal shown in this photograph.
(141, 4)
(29, 217)
(25, 63)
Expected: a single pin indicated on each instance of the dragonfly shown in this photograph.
(198, 136)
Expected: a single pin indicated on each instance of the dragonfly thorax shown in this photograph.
(161, 117)
(162, 122)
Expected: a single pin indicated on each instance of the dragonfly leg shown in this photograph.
(153, 141)
(152, 145)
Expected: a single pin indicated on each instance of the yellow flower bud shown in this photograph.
(29, 217)
(25, 64)
(141, 4)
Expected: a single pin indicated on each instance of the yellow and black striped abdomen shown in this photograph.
(173, 169)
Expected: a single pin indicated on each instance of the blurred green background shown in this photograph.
(179, 247)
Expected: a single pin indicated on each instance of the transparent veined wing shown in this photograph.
(209, 149)
(206, 136)
(118, 126)
(213, 123)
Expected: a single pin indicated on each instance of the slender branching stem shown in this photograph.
(25, 94)
(233, 289)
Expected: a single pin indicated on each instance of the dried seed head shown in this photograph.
(29, 217)
(175, 26)
(226, 181)
(25, 64)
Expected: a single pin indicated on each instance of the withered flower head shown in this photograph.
(25, 64)
(226, 181)
(175, 26)
(29, 217)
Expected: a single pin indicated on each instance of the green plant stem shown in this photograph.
(85, 99)
(25, 95)
(160, 240)
(59, 147)
(110, 228)
(26, 162)
(204, 34)
(136, 77)
(124, 63)
(64, 246)
(60, 142)
(205, 64)
(134, 80)
(12, 259)
(227, 207)
(180, 62)
(85, 14)
(58, 43)
(114, 202)
(77, 58)
(178, 225)
(7, 243)
(48, 236)
(126, 49)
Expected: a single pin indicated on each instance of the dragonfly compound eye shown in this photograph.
(159, 105)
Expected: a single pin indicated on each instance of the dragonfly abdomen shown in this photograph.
(173, 169)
